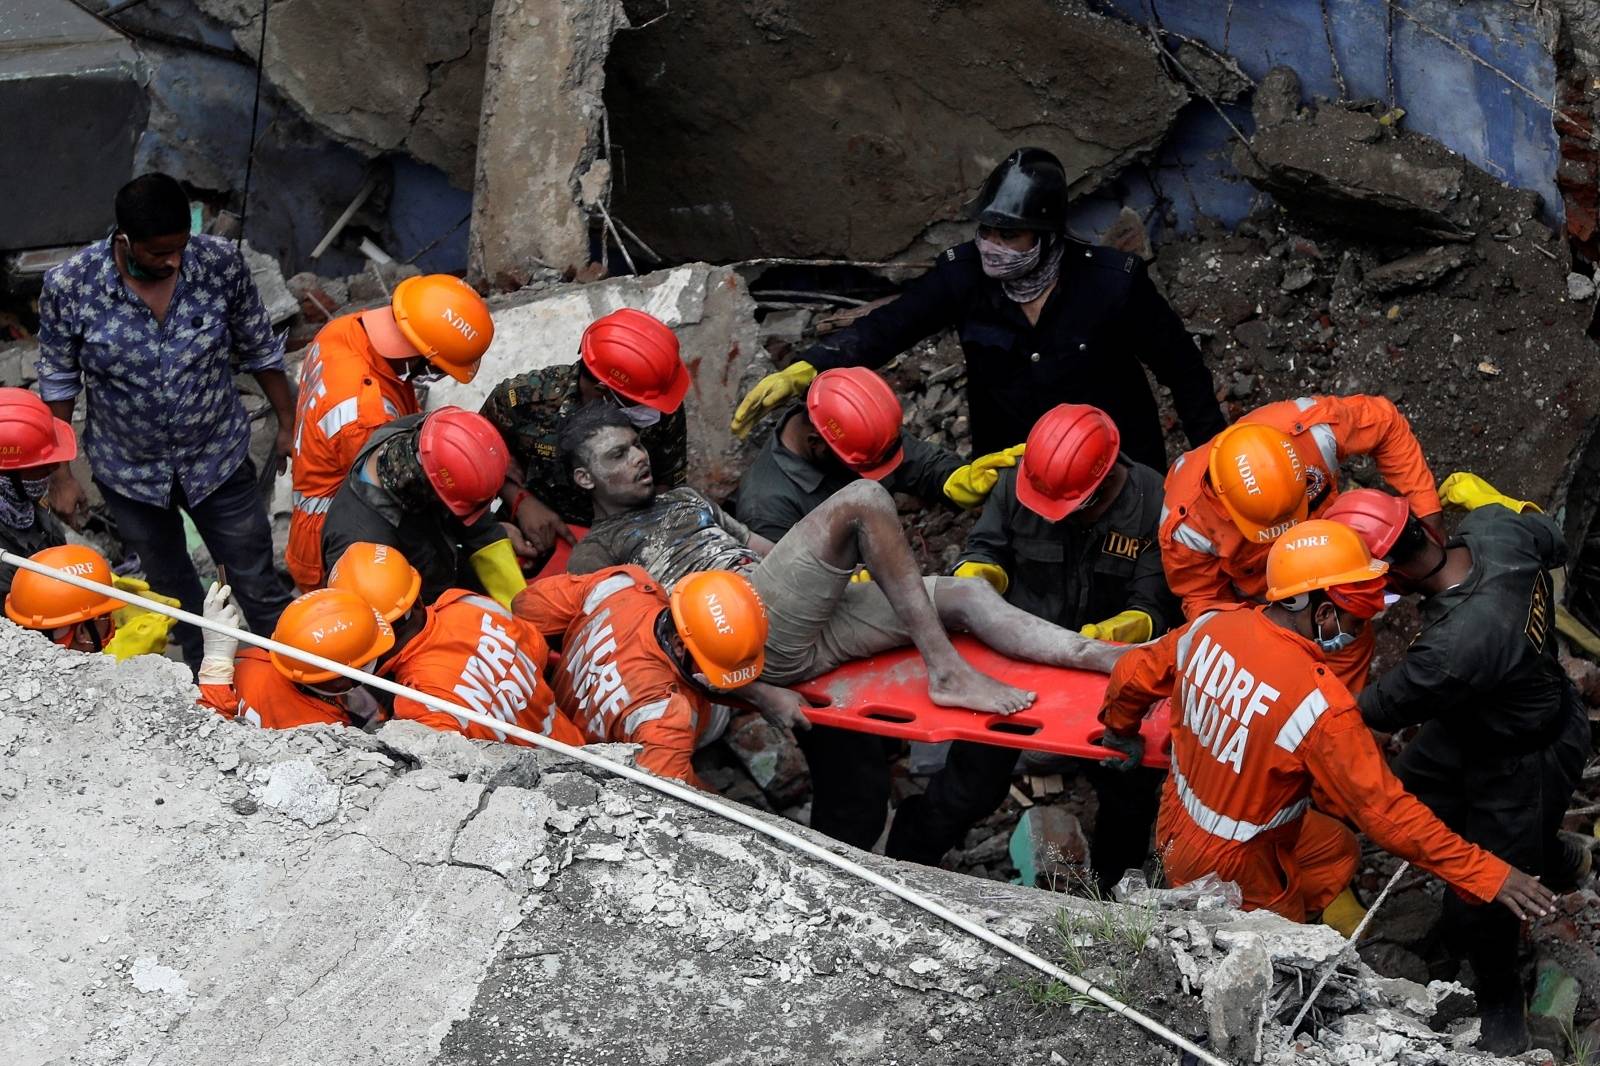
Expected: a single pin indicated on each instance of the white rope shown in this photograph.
(694, 797)
(1355, 938)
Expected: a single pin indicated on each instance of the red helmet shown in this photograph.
(636, 355)
(30, 435)
(858, 415)
(1070, 451)
(465, 460)
(1377, 516)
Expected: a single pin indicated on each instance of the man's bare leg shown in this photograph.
(859, 525)
(971, 605)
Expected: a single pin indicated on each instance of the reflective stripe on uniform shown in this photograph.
(312, 505)
(1327, 444)
(1190, 538)
(1223, 827)
(1322, 433)
(1294, 730)
(487, 604)
(648, 713)
(1185, 641)
(598, 594)
(343, 413)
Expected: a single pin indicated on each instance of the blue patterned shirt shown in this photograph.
(162, 404)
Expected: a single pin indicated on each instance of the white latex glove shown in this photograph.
(218, 649)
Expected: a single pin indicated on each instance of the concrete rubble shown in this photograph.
(186, 890)
(540, 137)
(1458, 310)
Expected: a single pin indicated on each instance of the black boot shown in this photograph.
(1504, 1027)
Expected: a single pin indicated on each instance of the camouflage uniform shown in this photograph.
(529, 411)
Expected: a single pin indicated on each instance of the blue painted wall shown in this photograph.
(1447, 94)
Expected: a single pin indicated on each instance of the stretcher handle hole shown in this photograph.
(1011, 725)
(886, 714)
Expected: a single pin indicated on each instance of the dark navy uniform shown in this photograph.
(1070, 574)
(45, 532)
(780, 487)
(1504, 735)
(1103, 324)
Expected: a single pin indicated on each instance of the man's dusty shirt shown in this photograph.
(529, 411)
(679, 533)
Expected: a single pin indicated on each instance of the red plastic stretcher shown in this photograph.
(888, 695)
(557, 563)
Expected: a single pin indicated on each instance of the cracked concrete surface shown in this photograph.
(185, 891)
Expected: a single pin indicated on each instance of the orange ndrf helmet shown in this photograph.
(464, 459)
(1322, 554)
(1260, 479)
(857, 413)
(1070, 451)
(436, 316)
(335, 624)
(723, 624)
(378, 574)
(40, 602)
(636, 356)
(30, 435)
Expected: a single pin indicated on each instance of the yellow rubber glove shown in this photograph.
(1129, 627)
(771, 391)
(498, 570)
(861, 576)
(1469, 491)
(144, 634)
(970, 485)
(139, 587)
(994, 575)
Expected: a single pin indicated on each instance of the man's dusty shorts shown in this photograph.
(817, 619)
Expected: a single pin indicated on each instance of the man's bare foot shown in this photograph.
(962, 686)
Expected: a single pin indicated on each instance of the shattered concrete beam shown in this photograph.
(540, 131)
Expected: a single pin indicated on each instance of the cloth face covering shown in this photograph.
(1023, 275)
(18, 499)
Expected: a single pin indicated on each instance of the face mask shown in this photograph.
(1001, 263)
(135, 271)
(641, 416)
(1338, 642)
(34, 488)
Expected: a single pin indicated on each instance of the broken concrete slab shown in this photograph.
(884, 119)
(1304, 947)
(159, 910)
(708, 307)
(281, 304)
(1416, 271)
(539, 133)
(420, 74)
(1345, 169)
(70, 88)
(1235, 999)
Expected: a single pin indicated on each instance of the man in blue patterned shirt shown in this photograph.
(147, 321)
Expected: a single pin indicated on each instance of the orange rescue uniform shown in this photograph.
(1209, 562)
(1260, 728)
(615, 680)
(262, 696)
(472, 651)
(347, 390)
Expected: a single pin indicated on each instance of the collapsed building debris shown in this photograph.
(455, 902)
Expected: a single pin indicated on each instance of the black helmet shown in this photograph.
(1027, 191)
